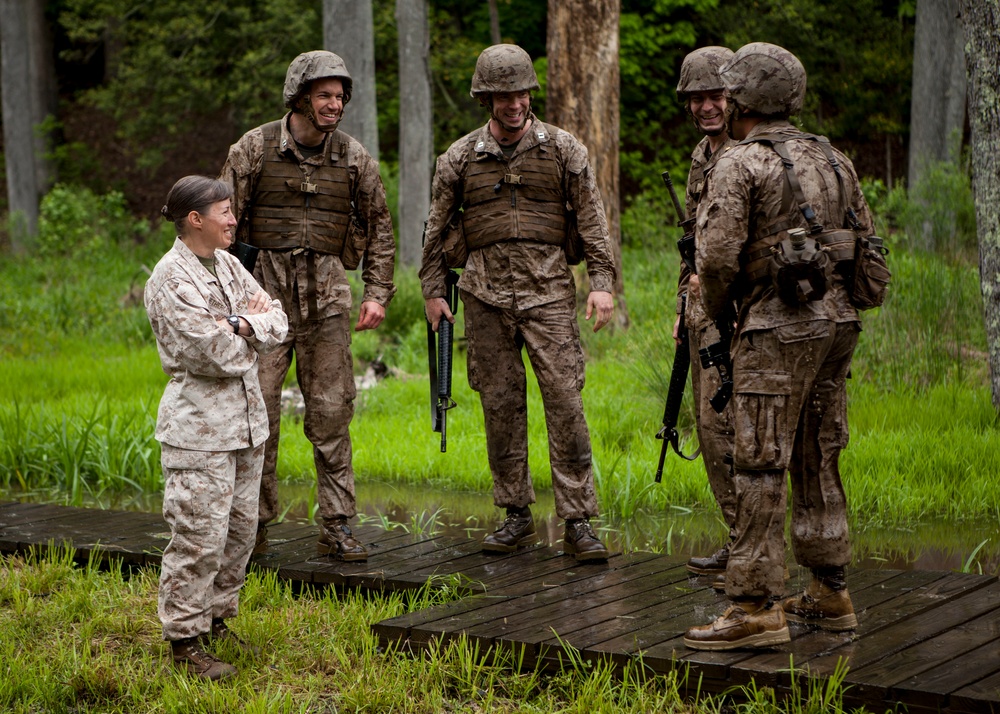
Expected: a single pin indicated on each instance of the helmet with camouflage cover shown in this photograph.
(765, 79)
(503, 68)
(318, 64)
(700, 70)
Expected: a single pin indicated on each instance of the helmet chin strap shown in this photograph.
(305, 107)
(505, 127)
(732, 114)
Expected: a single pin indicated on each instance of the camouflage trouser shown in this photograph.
(325, 373)
(715, 431)
(210, 503)
(496, 370)
(790, 414)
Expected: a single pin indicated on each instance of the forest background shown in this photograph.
(149, 92)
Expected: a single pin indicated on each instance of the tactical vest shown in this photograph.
(839, 244)
(301, 205)
(501, 205)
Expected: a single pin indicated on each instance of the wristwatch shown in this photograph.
(235, 322)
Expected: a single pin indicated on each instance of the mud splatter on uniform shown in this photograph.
(522, 293)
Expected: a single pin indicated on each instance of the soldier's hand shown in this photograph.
(259, 303)
(603, 304)
(370, 316)
(677, 329)
(435, 309)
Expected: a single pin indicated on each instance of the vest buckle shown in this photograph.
(307, 187)
(512, 178)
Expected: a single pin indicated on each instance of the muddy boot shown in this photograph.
(189, 655)
(712, 564)
(582, 543)
(221, 633)
(750, 623)
(336, 540)
(825, 604)
(516, 531)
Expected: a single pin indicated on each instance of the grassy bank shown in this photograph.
(82, 640)
(81, 381)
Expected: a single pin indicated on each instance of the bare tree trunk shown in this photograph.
(348, 30)
(583, 93)
(416, 130)
(982, 45)
(937, 109)
(495, 22)
(26, 77)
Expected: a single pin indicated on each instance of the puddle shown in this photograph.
(680, 532)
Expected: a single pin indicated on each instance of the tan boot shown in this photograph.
(744, 624)
(821, 606)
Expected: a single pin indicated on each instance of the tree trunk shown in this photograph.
(495, 22)
(348, 30)
(27, 81)
(937, 109)
(982, 46)
(416, 130)
(583, 94)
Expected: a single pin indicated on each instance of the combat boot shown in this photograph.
(188, 655)
(336, 539)
(823, 605)
(516, 531)
(712, 564)
(745, 624)
(582, 543)
(220, 632)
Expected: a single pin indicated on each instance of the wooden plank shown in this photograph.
(957, 657)
(399, 628)
(548, 572)
(982, 697)
(568, 586)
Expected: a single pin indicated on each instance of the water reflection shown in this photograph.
(680, 532)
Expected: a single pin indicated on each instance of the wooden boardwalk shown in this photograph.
(928, 640)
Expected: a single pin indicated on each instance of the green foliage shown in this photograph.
(173, 64)
(858, 56)
(74, 223)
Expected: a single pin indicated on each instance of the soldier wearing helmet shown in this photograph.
(506, 200)
(792, 352)
(701, 90)
(310, 198)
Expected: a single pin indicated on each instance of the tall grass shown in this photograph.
(80, 381)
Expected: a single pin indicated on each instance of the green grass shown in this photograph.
(87, 640)
(81, 381)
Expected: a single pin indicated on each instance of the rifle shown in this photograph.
(685, 244)
(246, 254)
(439, 358)
(716, 355)
(682, 354)
(675, 395)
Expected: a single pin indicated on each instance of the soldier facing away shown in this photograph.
(704, 99)
(506, 195)
(771, 234)
(212, 323)
(310, 198)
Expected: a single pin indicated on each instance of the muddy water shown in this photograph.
(680, 532)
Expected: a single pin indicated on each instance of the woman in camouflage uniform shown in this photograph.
(211, 320)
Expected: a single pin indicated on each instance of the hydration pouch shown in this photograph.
(799, 268)
(871, 273)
